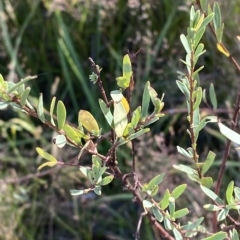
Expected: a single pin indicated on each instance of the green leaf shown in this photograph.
(157, 214)
(217, 20)
(88, 121)
(185, 43)
(203, 4)
(24, 96)
(124, 81)
(145, 101)
(76, 192)
(47, 164)
(171, 206)
(181, 213)
(156, 180)
(96, 173)
(106, 180)
(61, 114)
(234, 234)
(45, 155)
(183, 152)
(237, 193)
(185, 169)
(127, 66)
(97, 190)
(85, 171)
(229, 133)
(193, 225)
(219, 33)
(204, 122)
(212, 207)
(40, 110)
(152, 120)
(23, 81)
(198, 36)
(229, 192)
(3, 86)
(165, 200)
(136, 116)
(133, 136)
(217, 236)
(147, 204)
(121, 109)
(206, 21)
(178, 191)
(60, 140)
(167, 224)
(52, 160)
(213, 97)
(177, 234)
(206, 182)
(222, 214)
(184, 89)
(52, 109)
(212, 195)
(96, 160)
(208, 162)
(198, 98)
(74, 134)
(106, 112)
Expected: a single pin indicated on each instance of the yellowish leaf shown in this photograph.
(88, 121)
(222, 49)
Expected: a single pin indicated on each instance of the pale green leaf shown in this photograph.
(212, 207)
(156, 180)
(46, 155)
(51, 110)
(88, 121)
(217, 236)
(229, 192)
(222, 214)
(178, 191)
(212, 195)
(147, 204)
(213, 97)
(106, 112)
(145, 101)
(23, 81)
(60, 141)
(40, 109)
(229, 133)
(47, 164)
(76, 192)
(61, 114)
(106, 180)
(183, 152)
(181, 213)
(193, 225)
(185, 169)
(157, 214)
(24, 96)
(165, 200)
(208, 162)
(97, 190)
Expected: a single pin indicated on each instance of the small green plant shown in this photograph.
(126, 124)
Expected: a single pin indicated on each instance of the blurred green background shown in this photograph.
(54, 39)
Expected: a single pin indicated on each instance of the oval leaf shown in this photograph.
(88, 121)
(46, 155)
(61, 114)
(40, 110)
(106, 180)
(60, 141)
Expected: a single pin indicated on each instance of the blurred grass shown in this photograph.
(54, 40)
